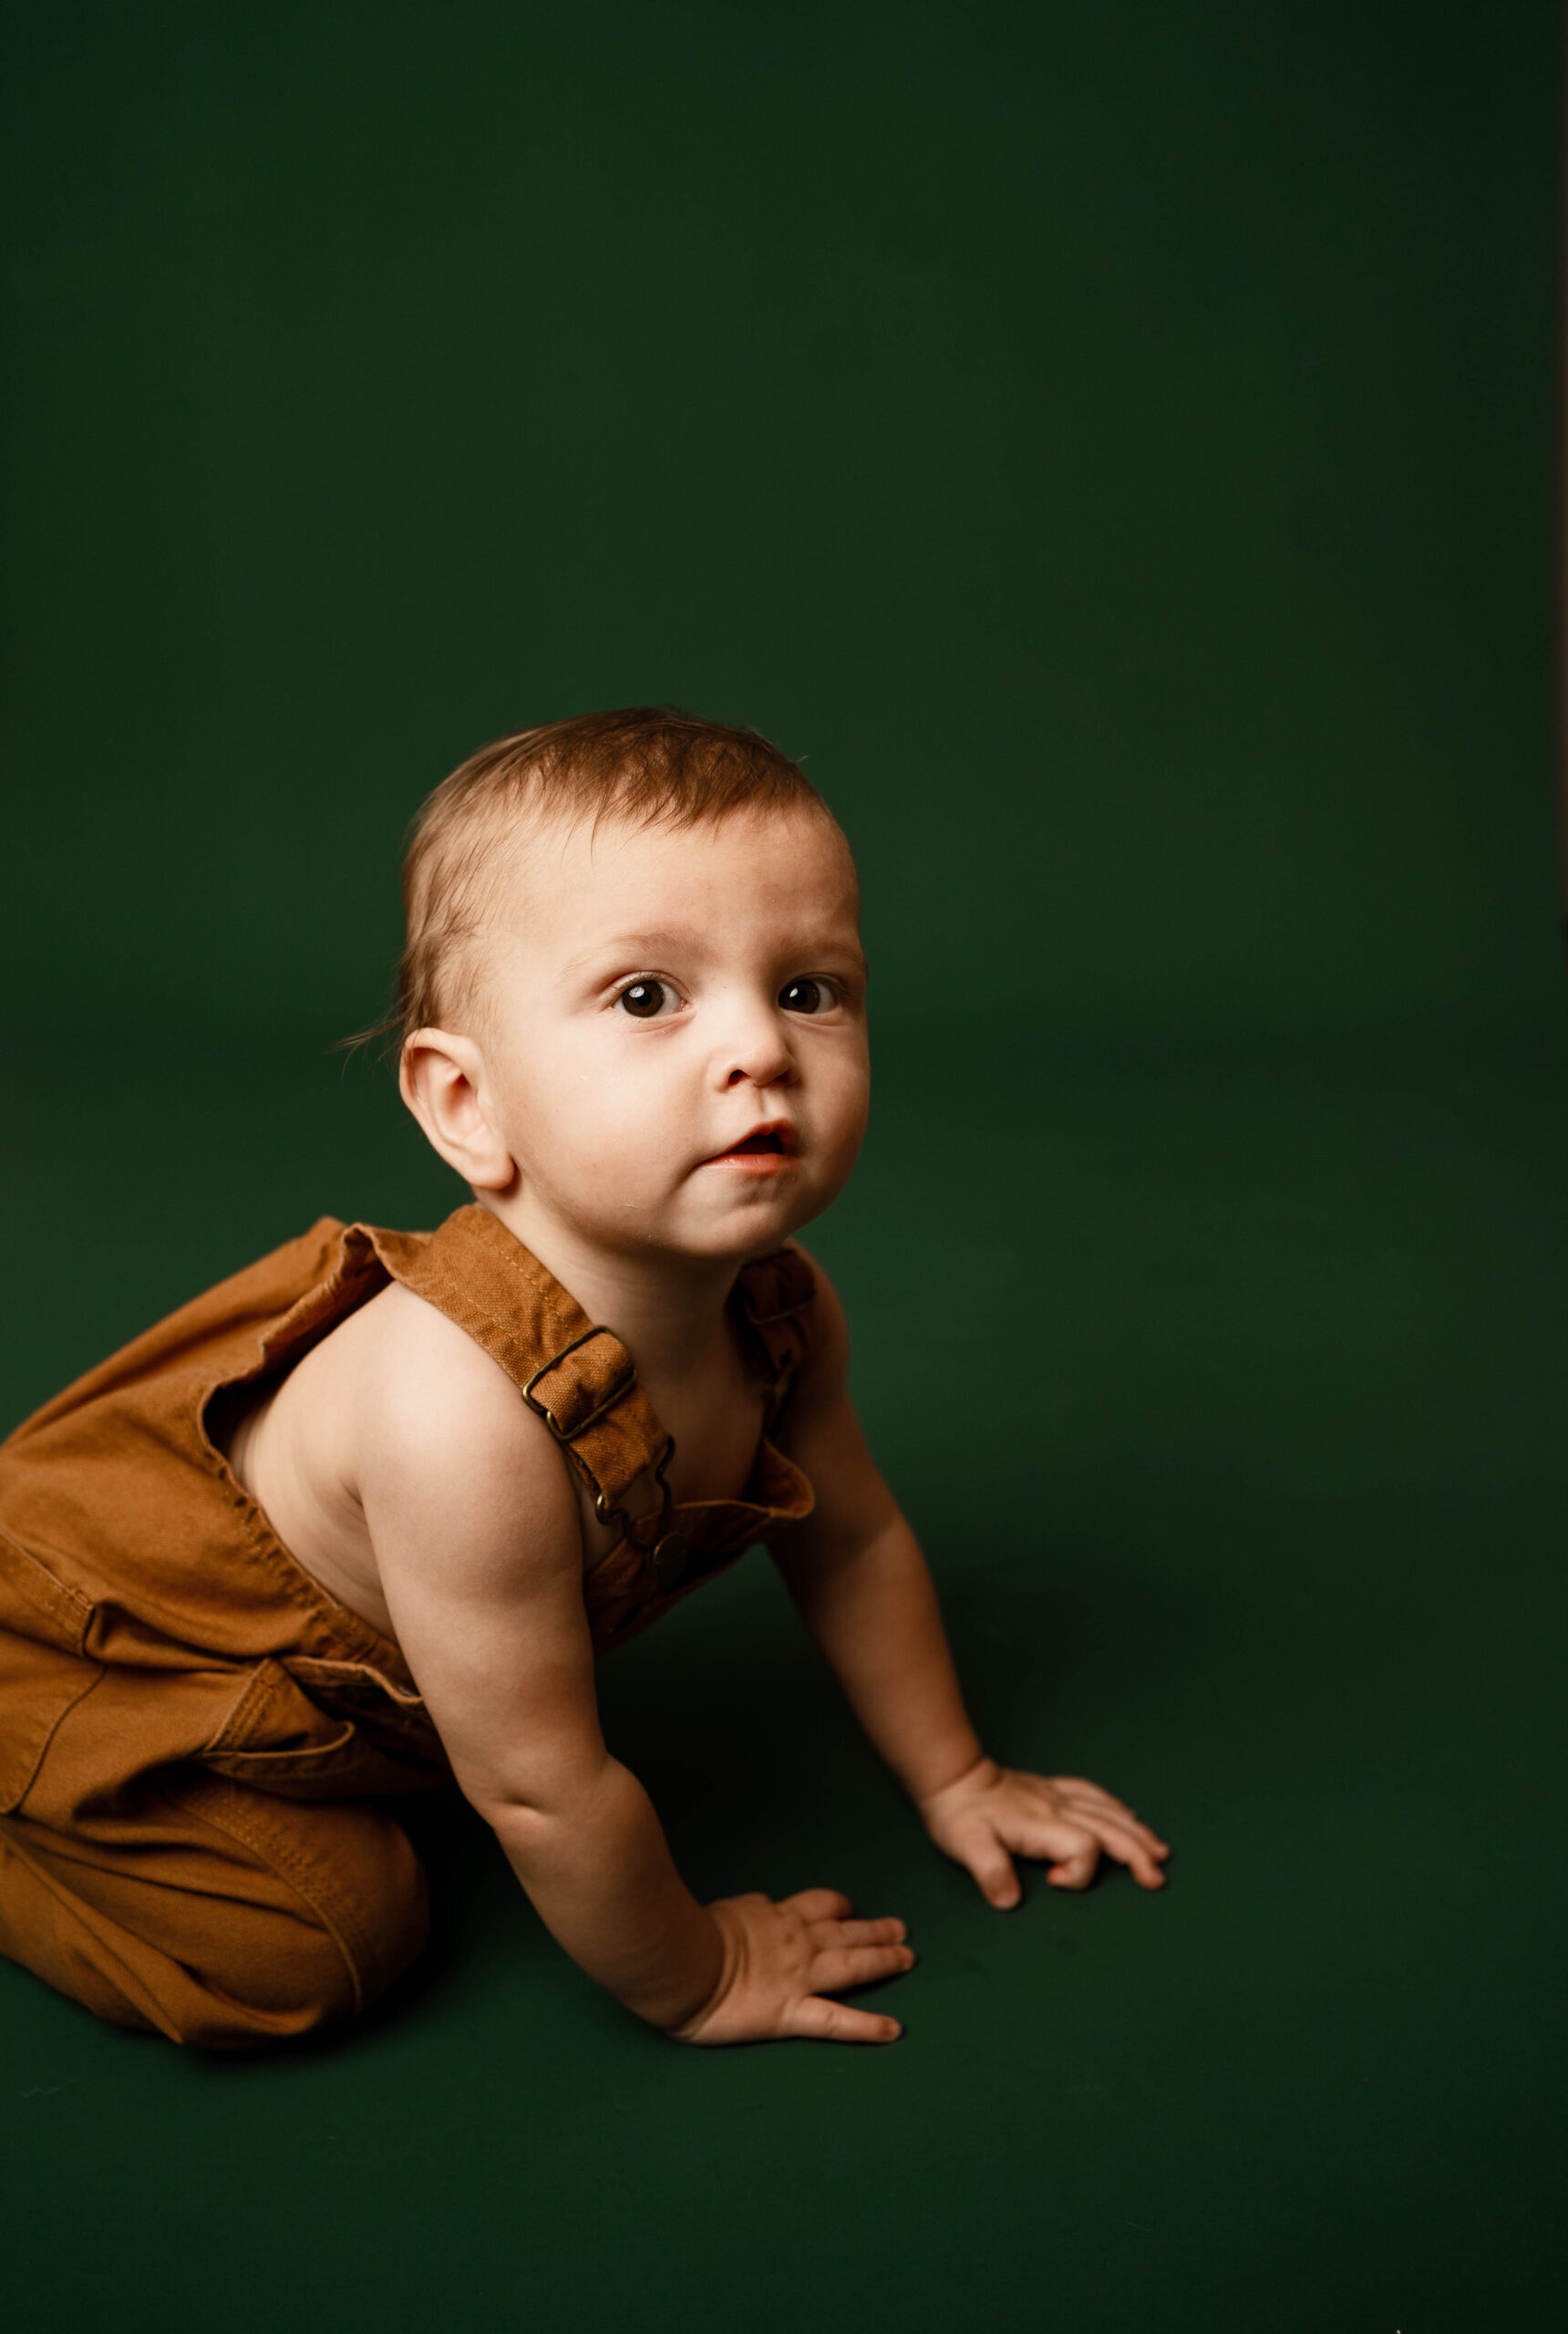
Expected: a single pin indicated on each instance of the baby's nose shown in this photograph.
(760, 1055)
(767, 1070)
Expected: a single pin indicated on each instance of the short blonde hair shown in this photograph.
(650, 765)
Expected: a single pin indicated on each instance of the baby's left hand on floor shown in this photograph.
(991, 1814)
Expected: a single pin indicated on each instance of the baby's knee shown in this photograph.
(292, 1968)
(332, 1911)
(228, 1957)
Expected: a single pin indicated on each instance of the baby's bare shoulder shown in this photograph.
(434, 1413)
(474, 1524)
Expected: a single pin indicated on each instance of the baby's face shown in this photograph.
(675, 1035)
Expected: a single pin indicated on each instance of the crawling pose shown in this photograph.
(359, 1519)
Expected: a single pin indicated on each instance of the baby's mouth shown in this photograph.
(763, 1142)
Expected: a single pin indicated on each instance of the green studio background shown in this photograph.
(1115, 446)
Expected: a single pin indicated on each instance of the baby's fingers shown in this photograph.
(1131, 1848)
(1077, 1868)
(830, 1934)
(812, 2019)
(838, 1967)
(984, 1855)
(818, 1904)
(1090, 1839)
(1090, 1805)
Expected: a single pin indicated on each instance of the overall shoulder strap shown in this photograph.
(776, 1295)
(576, 1374)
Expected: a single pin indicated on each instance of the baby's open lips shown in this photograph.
(776, 1140)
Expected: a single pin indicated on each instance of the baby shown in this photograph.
(359, 1520)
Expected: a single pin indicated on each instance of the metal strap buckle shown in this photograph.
(622, 1388)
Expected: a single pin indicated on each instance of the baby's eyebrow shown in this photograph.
(635, 943)
(627, 950)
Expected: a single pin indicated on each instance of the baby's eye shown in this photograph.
(806, 997)
(646, 1000)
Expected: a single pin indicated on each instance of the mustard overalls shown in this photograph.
(196, 1741)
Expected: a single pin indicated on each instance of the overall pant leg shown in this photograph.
(212, 1914)
(141, 1880)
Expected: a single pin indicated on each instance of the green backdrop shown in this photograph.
(1114, 445)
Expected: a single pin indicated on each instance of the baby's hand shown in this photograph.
(990, 1811)
(779, 1960)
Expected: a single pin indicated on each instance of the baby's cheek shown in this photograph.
(586, 1120)
(623, 1160)
(842, 1137)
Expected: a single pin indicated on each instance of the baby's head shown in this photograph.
(633, 997)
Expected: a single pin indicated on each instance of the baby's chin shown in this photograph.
(733, 1243)
(710, 1213)
(745, 1217)
(749, 1224)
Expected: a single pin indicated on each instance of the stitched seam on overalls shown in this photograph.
(124, 1976)
(280, 1857)
(19, 1805)
(257, 1765)
(260, 1690)
(272, 1686)
(509, 1253)
(52, 1599)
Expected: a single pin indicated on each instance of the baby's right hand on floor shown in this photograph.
(782, 1961)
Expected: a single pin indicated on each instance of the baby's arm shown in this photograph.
(856, 1573)
(475, 1526)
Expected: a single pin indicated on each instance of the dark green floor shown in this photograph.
(1227, 1390)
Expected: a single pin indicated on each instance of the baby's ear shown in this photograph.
(441, 1077)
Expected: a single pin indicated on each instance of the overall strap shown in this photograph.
(576, 1374)
(776, 1295)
